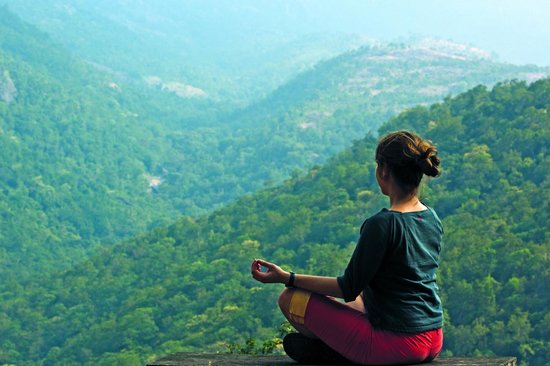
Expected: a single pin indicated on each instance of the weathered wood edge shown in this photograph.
(204, 359)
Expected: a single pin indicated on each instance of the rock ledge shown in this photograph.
(203, 359)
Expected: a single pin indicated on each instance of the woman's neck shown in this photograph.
(406, 203)
(399, 199)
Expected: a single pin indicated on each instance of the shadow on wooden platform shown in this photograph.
(201, 359)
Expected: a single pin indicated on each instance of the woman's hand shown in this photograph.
(274, 273)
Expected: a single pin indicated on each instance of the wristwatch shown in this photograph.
(291, 280)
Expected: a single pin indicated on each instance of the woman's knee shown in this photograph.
(285, 298)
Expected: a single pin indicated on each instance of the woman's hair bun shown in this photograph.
(428, 161)
(409, 157)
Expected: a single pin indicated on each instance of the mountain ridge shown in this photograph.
(108, 139)
(186, 286)
(176, 44)
(85, 153)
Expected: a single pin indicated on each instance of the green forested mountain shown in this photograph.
(321, 111)
(187, 286)
(77, 152)
(225, 51)
(89, 156)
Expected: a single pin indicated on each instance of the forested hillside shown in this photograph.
(90, 157)
(74, 155)
(187, 286)
(319, 113)
(232, 52)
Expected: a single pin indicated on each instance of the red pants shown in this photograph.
(349, 332)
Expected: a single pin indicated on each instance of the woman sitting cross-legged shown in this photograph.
(392, 314)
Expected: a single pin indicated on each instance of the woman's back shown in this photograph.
(403, 296)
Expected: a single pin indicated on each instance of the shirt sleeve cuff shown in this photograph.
(346, 290)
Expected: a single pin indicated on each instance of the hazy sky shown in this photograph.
(517, 31)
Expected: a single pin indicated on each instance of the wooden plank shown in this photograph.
(202, 359)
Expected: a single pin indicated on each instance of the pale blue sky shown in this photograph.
(518, 31)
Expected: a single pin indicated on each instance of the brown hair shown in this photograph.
(408, 158)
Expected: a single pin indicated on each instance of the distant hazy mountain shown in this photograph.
(322, 110)
(231, 51)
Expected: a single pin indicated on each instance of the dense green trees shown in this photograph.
(80, 148)
(90, 156)
(187, 286)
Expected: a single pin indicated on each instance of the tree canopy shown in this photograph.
(187, 286)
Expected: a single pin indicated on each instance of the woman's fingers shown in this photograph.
(266, 264)
(258, 263)
(269, 276)
(255, 266)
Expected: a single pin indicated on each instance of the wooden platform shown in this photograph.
(201, 359)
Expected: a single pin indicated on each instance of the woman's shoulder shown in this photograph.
(382, 215)
(379, 220)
